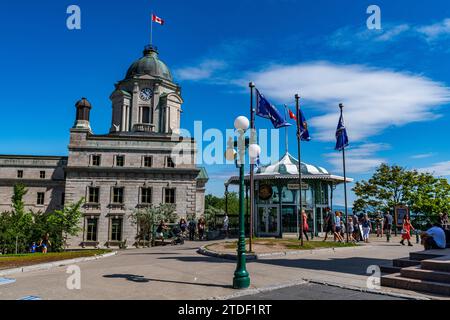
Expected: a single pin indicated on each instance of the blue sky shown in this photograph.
(395, 82)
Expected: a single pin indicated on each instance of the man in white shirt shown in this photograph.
(434, 238)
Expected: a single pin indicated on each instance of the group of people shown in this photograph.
(42, 246)
(356, 228)
(184, 229)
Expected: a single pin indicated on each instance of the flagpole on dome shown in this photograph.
(299, 138)
(151, 31)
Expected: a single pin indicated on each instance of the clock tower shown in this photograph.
(147, 100)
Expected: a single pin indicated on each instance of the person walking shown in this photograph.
(329, 224)
(366, 227)
(350, 230)
(201, 228)
(338, 229)
(387, 225)
(191, 227)
(304, 218)
(45, 243)
(379, 225)
(406, 231)
(226, 225)
(356, 232)
(183, 226)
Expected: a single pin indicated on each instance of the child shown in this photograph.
(350, 230)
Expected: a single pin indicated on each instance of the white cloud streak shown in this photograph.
(438, 169)
(359, 160)
(374, 99)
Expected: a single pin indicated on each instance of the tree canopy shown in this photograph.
(391, 186)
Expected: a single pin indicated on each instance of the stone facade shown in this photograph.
(142, 161)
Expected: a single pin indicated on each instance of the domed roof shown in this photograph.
(83, 103)
(149, 64)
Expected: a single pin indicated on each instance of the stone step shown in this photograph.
(425, 255)
(390, 269)
(428, 275)
(437, 264)
(397, 281)
(405, 262)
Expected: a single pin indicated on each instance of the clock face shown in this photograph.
(146, 94)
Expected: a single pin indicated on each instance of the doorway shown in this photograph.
(267, 221)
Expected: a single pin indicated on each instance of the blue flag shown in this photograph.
(304, 132)
(266, 110)
(341, 135)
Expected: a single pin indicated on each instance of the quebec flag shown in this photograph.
(341, 135)
(266, 110)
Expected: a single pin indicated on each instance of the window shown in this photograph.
(117, 195)
(63, 199)
(148, 161)
(94, 193)
(120, 161)
(146, 195)
(91, 234)
(169, 162)
(42, 174)
(40, 198)
(20, 174)
(169, 195)
(146, 115)
(96, 160)
(116, 229)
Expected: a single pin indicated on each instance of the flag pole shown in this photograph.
(151, 31)
(299, 138)
(341, 106)
(286, 137)
(252, 165)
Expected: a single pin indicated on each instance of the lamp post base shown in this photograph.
(241, 280)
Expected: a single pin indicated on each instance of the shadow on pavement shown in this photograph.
(353, 265)
(142, 279)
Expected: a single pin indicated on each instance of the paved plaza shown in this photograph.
(179, 272)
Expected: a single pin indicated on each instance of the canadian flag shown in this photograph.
(292, 115)
(157, 19)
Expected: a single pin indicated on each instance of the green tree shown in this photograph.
(149, 217)
(20, 222)
(218, 203)
(431, 197)
(64, 223)
(390, 186)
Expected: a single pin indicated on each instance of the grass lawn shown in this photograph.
(276, 245)
(22, 260)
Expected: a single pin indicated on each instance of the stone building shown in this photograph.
(142, 161)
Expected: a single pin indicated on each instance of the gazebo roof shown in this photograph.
(289, 165)
(287, 169)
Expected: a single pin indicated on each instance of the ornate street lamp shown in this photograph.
(241, 278)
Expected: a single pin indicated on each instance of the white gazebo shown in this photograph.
(276, 200)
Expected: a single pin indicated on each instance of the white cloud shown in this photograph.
(360, 159)
(423, 155)
(374, 99)
(393, 32)
(436, 30)
(204, 70)
(438, 169)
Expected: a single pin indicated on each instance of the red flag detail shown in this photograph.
(157, 19)
(292, 115)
